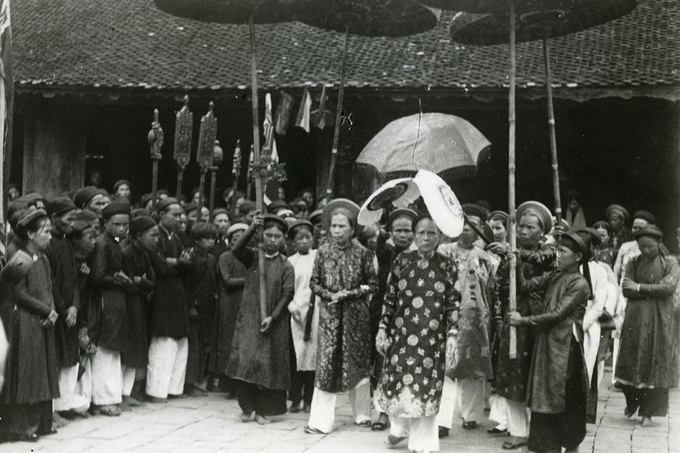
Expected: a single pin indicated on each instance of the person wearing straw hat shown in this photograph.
(508, 405)
(645, 367)
(344, 277)
(556, 389)
(476, 283)
(420, 316)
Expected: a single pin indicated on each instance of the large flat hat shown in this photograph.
(342, 206)
(539, 210)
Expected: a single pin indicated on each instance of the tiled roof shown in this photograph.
(131, 44)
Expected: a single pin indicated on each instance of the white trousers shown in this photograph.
(84, 385)
(513, 415)
(107, 382)
(471, 394)
(423, 434)
(128, 379)
(449, 405)
(167, 366)
(322, 413)
(70, 397)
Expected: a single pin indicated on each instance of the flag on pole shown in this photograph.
(304, 111)
(269, 147)
(282, 117)
(320, 115)
(6, 95)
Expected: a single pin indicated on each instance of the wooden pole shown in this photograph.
(236, 171)
(551, 127)
(155, 138)
(213, 183)
(338, 114)
(180, 182)
(512, 231)
(256, 164)
(201, 190)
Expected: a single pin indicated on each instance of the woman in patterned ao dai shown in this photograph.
(420, 302)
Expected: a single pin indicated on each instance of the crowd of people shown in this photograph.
(107, 306)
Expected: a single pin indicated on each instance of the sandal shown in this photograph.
(469, 425)
(495, 430)
(381, 424)
(365, 424)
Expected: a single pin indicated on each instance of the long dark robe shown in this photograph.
(257, 358)
(648, 337)
(420, 306)
(512, 374)
(136, 263)
(558, 381)
(566, 297)
(169, 307)
(201, 287)
(344, 348)
(31, 381)
(66, 294)
(232, 281)
(108, 260)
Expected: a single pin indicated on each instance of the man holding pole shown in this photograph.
(508, 407)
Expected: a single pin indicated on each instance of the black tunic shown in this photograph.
(108, 260)
(136, 263)
(66, 294)
(169, 308)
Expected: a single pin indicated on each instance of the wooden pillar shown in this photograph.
(55, 141)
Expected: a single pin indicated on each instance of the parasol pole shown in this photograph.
(338, 114)
(551, 127)
(155, 138)
(512, 232)
(236, 171)
(256, 164)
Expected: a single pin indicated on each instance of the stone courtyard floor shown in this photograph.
(212, 424)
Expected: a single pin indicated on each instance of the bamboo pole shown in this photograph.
(512, 231)
(256, 163)
(551, 127)
(155, 138)
(338, 114)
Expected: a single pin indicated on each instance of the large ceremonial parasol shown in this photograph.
(489, 29)
(443, 144)
(377, 19)
(373, 18)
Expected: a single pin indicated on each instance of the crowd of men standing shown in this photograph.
(107, 307)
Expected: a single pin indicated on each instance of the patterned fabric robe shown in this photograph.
(476, 283)
(344, 346)
(419, 302)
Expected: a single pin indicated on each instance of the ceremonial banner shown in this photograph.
(304, 111)
(282, 117)
(269, 146)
